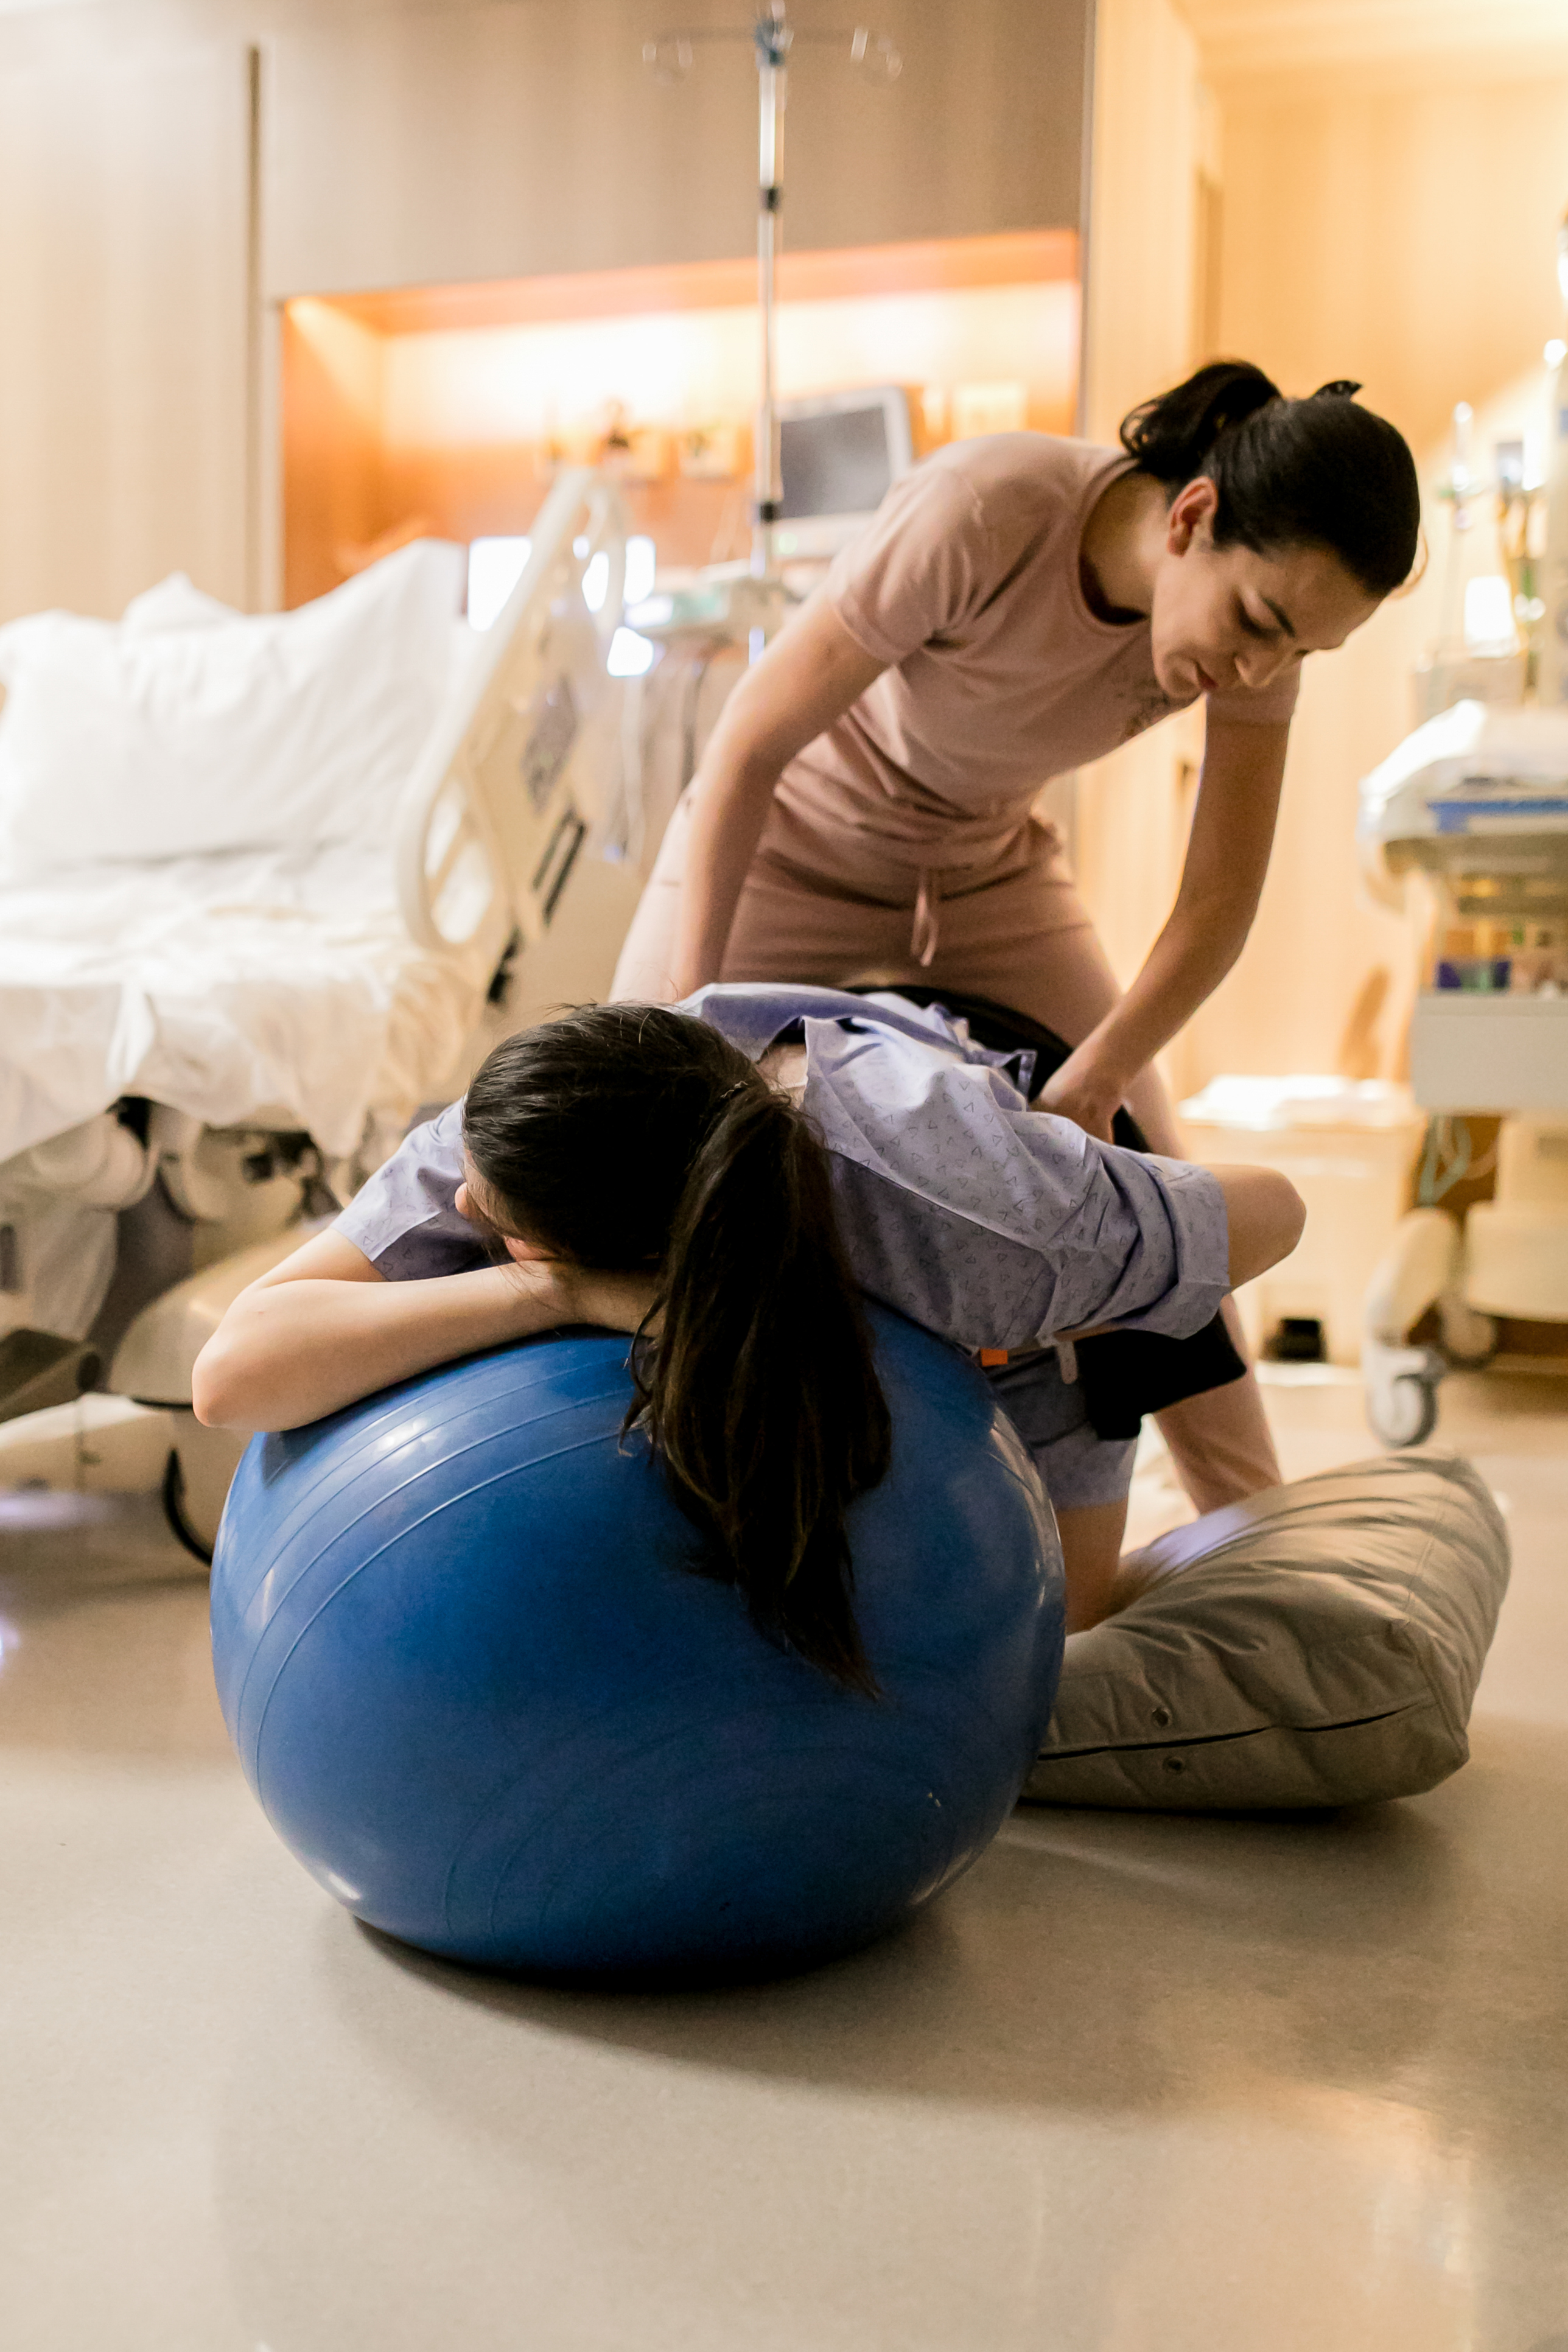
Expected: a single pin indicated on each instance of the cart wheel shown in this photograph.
(175, 1513)
(1469, 1337)
(1405, 1411)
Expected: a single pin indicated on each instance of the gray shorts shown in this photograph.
(1077, 1469)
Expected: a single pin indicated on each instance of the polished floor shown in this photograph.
(1137, 2084)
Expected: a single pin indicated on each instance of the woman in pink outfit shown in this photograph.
(1019, 606)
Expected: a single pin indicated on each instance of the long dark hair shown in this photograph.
(631, 1138)
(1320, 472)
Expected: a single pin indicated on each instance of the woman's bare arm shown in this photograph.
(323, 1329)
(808, 678)
(1222, 877)
(1265, 1216)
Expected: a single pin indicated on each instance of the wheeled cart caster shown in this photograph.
(1401, 1391)
(1469, 1337)
(1420, 1269)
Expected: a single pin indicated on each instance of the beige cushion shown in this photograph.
(1320, 1644)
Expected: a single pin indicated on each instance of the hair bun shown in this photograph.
(1321, 472)
(1172, 435)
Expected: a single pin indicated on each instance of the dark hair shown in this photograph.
(629, 1138)
(1289, 473)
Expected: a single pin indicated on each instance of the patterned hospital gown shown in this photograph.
(993, 1226)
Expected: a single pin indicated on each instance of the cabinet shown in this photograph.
(407, 149)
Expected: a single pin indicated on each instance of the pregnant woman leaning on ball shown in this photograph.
(726, 1180)
(1019, 606)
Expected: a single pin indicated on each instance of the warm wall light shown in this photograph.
(458, 404)
(1002, 348)
(352, 355)
(981, 408)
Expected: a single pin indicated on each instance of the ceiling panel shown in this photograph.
(1240, 36)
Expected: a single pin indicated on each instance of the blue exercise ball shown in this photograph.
(482, 1697)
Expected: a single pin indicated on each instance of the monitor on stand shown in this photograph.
(840, 453)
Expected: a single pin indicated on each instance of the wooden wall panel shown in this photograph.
(507, 140)
(1142, 208)
(1401, 232)
(1130, 811)
(123, 244)
(1403, 235)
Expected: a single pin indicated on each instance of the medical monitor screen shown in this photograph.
(837, 463)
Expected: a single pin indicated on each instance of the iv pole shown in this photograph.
(771, 35)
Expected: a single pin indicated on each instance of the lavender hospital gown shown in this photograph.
(993, 1226)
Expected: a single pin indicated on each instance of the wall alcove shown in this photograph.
(446, 408)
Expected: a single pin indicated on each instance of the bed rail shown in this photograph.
(499, 807)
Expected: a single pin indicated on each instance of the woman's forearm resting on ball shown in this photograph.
(323, 1329)
(808, 678)
(298, 1344)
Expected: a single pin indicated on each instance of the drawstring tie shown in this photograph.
(926, 929)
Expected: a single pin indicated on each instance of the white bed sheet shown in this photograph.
(281, 980)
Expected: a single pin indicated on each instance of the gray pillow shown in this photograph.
(1319, 1644)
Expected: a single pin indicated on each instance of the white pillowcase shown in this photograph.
(176, 602)
(185, 729)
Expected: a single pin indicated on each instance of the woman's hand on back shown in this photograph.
(1079, 1096)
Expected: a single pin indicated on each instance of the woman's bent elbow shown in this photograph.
(217, 1395)
(1265, 1216)
(1281, 1217)
(1295, 1216)
(208, 1401)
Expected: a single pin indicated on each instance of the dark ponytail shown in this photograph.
(1320, 472)
(633, 1138)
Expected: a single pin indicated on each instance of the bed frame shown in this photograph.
(497, 809)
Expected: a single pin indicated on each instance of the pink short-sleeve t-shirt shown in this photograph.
(999, 678)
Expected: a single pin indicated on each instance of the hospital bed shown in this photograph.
(1466, 827)
(225, 1042)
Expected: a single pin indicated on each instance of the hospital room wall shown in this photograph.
(1146, 293)
(124, 284)
(1398, 228)
(156, 203)
(1394, 224)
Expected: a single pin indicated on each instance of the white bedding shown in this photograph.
(185, 729)
(224, 985)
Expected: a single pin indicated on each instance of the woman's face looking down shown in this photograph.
(1222, 618)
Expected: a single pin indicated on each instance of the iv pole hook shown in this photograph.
(670, 55)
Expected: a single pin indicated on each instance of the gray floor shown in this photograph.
(1138, 2084)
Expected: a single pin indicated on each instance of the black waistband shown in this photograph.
(1002, 1031)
